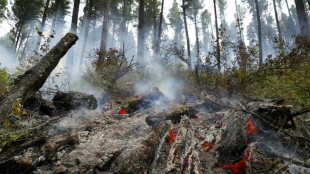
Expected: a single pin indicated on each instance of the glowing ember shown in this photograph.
(218, 117)
(239, 167)
(250, 129)
(194, 117)
(122, 111)
(207, 145)
(185, 163)
(170, 138)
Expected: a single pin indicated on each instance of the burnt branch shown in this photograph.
(34, 78)
(261, 117)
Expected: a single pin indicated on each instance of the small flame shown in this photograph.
(207, 145)
(122, 111)
(170, 138)
(239, 167)
(250, 128)
(194, 117)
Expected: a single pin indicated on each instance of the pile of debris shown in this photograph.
(172, 139)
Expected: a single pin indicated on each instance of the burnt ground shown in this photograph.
(158, 136)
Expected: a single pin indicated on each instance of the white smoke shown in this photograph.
(158, 76)
(7, 59)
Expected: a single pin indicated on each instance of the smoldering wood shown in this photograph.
(34, 78)
(102, 144)
(143, 101)
(34, 102)
(74, 100)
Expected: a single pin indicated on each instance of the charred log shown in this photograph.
(143, 101)
(35, 103)
(234, 140)
(271, 112)
(74, 100)
(34, 78)
(174, 112)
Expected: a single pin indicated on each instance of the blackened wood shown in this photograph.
(34, 78)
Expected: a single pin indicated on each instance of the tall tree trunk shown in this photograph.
(302, 18)
(105, 32)
(155, 26)
(18, 37)
(27, 39)
(218, 50)
(160, 24)
(187, 36)
(197, 42)
(89, 15)
(277, 18)
(42, 24)
(289, 13)
(74, 22)
(124, 21)
(259, 30)
(53, 23)
(238, 21)
(141, 33)
(75, 16)
(42, 27)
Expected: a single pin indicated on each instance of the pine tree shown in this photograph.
(302, 18)
(141, 33)
(175, 20)
(73, 29)
(23, 12)
(3, 4)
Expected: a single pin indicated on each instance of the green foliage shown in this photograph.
(3, 4)
(5, 80)
(286, 76)
(106, 74)
(13, 119)
(9, 137)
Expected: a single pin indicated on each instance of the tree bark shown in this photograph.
(105, 32)
(218, 50)
(74, 22)
(187, 36)
(160, 24)
(34, 78)
(197, 42)
(302, 18)
(155, 26)
(259, 30)
(18, 37)
(86, 32)
(277, 18)
(290, 15)
(42, 24)
(141, 33)
(54, 19)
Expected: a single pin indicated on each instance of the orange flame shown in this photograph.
(122, 111)
(250, 128)
(207, 145)
(239, 167)
(170, 138)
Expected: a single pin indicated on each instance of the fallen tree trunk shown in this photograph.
(34, 78)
